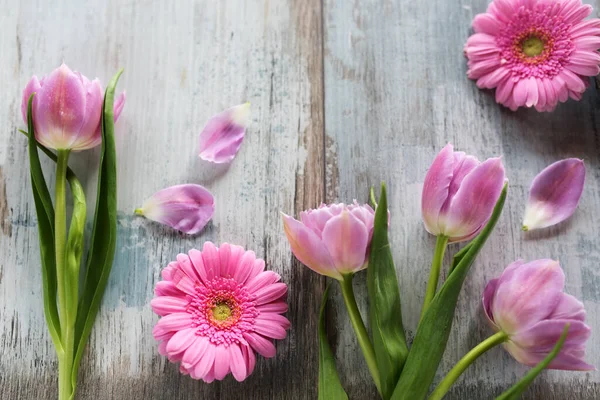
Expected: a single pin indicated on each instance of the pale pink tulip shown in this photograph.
(187, 208)
(222, 136)
(218, 307)
(332, 240)
(554, 194)
(66, 109)
(528, 304)
(459, 194)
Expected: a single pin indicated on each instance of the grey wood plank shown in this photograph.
(184, 61)
(395, 94)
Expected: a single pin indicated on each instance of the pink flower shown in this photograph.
(554, 194)
(459, 194)
(528, 304)
(66, 109)
(187, 208)
(332, 240)
(217, 307)
(534, 52)
(222, 136)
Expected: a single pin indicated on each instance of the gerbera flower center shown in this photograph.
(535, 43)
(222, 310)
(532, 46)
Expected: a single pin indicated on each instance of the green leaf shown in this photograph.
(75, 243)
(515, 391)
(433, 331)
(372, 197)
(104, 231)
(459, 256)
(45, 216)
(330, 387)
(385, 314)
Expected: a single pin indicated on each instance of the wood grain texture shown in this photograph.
(184, 61)
(344, 94)
(396, 92)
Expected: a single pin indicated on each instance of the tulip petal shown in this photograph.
(90, 134)
(554, 194)
(222, 136)
(346, 239)
(33, 86)
(463, 165)
(568, 308)
(308, 248)
(436, 187)
(187, 208)
(527, 294)
(532, 345)
(118, 106)
(60, 108)
(475, 200)
(488, 299)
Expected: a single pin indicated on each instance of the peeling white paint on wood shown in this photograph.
(344, 94)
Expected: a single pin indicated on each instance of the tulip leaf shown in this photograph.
(389, 341)
(330, 387)
(45, 216)
(434, 329)
(459, 256)
(75, 244)
(515, 392)
(104, 232)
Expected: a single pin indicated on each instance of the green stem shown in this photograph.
(434, 274)
(359, 328)
(463, 364)
(65, 362)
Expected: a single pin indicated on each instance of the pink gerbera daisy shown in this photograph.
(534, 52)
(218, 306)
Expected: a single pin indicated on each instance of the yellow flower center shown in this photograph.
(221, 312)
(532, 46)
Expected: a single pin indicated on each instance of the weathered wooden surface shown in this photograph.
(344, 94)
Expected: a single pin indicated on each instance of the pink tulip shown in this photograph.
(187, 208)
(223, 134)
(528, 304)
(459, 194)
(66, 109)
(554, 194)
(332, 240)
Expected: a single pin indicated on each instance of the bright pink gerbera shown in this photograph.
(534, 52)
(217, 307)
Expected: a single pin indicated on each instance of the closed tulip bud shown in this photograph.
(459, 194)
(67, 109)
(332, 240)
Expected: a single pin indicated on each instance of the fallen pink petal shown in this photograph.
(527, 302)
(187, 208)
(535, 53)
(223, 134)
(66, 109)
(554, 194)
(219, 307)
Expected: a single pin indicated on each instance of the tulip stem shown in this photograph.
(65, 362)
(434, 274)
(493, 341)
(360, 329)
